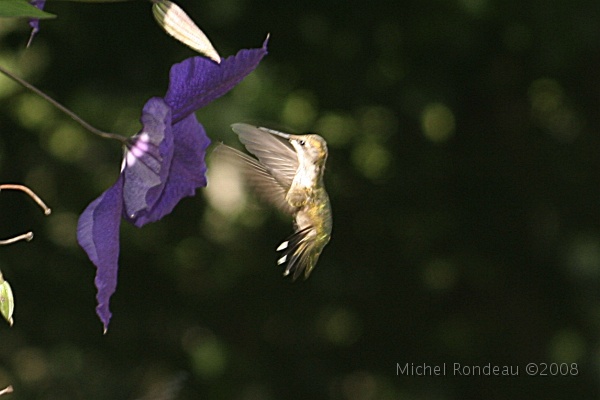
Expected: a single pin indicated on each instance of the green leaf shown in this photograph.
(21, 8)
(7, 301)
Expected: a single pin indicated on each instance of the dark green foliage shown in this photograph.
(464, 176)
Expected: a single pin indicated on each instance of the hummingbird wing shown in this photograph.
(276, 155)
(266, 186)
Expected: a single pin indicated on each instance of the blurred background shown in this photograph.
(464, 176)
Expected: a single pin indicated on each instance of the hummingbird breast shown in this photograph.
(316, 215)
(308, 177)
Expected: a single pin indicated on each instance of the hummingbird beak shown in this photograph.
(286, 136)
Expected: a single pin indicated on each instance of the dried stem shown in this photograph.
(25, 236)
(8, 389)
(29, 192)
(29, 235)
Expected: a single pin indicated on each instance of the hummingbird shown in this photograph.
(288, 173)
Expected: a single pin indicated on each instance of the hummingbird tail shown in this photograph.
(296, 256)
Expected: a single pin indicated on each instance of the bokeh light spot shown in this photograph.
(437, 122)
(439, 275)
(31, 364)
(62, 228)
(225, 192)
(299, 110)
(567, 346)
(545, 95)
(339, 326)
(551, 110)
(208, 358)
(188, 252)
(70, 359)
(372, 159)
(364, 385)
(207, 353)
(68, 143)
(583, 257)
(336, 128)
(359, 386)
(476, 8)
(7, 86)
(378, 122)
(33, 111)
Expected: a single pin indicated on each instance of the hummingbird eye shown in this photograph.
(301, 142)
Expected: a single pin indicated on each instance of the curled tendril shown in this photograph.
(29, 235)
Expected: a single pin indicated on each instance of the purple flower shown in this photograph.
(163, 163)
(34, 23)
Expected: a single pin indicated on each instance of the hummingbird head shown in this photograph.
(310, 147)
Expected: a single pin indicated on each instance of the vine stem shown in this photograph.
(71, 114)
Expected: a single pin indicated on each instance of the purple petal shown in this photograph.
(148, 160)
(98, 234)
(34, 23)
(196, 81)
(38, 3)
(187, 172)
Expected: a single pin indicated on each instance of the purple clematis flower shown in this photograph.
(34, 23)
(163, 163)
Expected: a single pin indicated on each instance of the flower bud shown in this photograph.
(179, 25)
(7, 301)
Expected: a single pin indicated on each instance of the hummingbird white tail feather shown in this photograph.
(296, 255)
